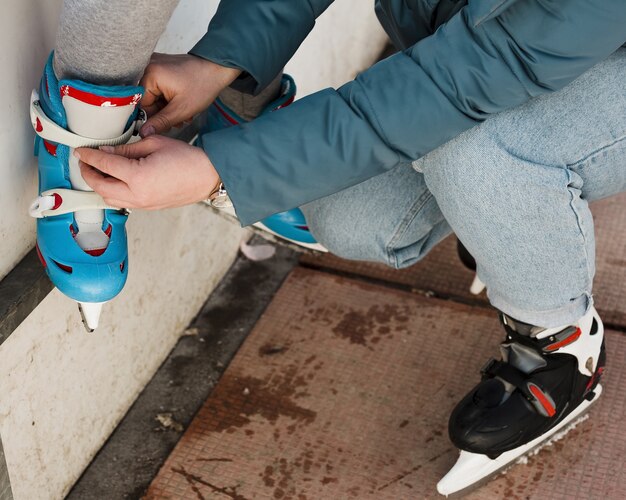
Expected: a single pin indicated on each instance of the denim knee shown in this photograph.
(524, 220)
(336, 231)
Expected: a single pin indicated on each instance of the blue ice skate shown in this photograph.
(81, 241)
(289, 226)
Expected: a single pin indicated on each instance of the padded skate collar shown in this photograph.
(49, 130)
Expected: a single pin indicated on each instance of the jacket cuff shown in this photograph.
(284, 159)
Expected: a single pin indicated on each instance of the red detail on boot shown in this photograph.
(594, 378)
(289, 101)
(122, 267)
(50, 148)
(98, 100)
(38, 126)
(41, 259)
(566, 341)
(65, 268)
(95, 252)
(58, 201)
(541, 397)
(230, 119)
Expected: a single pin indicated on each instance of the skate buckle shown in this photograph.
(63, 201)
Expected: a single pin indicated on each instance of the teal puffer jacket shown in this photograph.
(460, 62)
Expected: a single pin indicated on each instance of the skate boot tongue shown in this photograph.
(524, 358)
(97, 113)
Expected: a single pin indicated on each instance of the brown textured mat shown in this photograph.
(343, 390)
(442, 272)
(610, 284)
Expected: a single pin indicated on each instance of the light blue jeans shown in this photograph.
(514, 189)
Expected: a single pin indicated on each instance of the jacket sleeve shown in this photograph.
(413, 102)
(258, 36)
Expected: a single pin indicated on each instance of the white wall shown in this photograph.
(347, 39)
(62, 391)
(27, 31)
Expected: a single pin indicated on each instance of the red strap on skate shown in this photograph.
(543, 399)
(564, 338)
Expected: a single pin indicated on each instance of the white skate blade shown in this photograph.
(263, 231)
(309, 246)
(477, 286)
(473, 469)
(90, 314)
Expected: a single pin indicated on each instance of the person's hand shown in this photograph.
(156, 172)
(178, 87)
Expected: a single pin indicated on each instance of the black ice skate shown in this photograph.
(547, 378)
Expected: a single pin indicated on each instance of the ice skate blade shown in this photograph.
(264, 231)
(472, 470)
(477, 286)
(90, 314)
(271, 236)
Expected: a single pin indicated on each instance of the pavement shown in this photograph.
(319, 378)
(343, 387)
